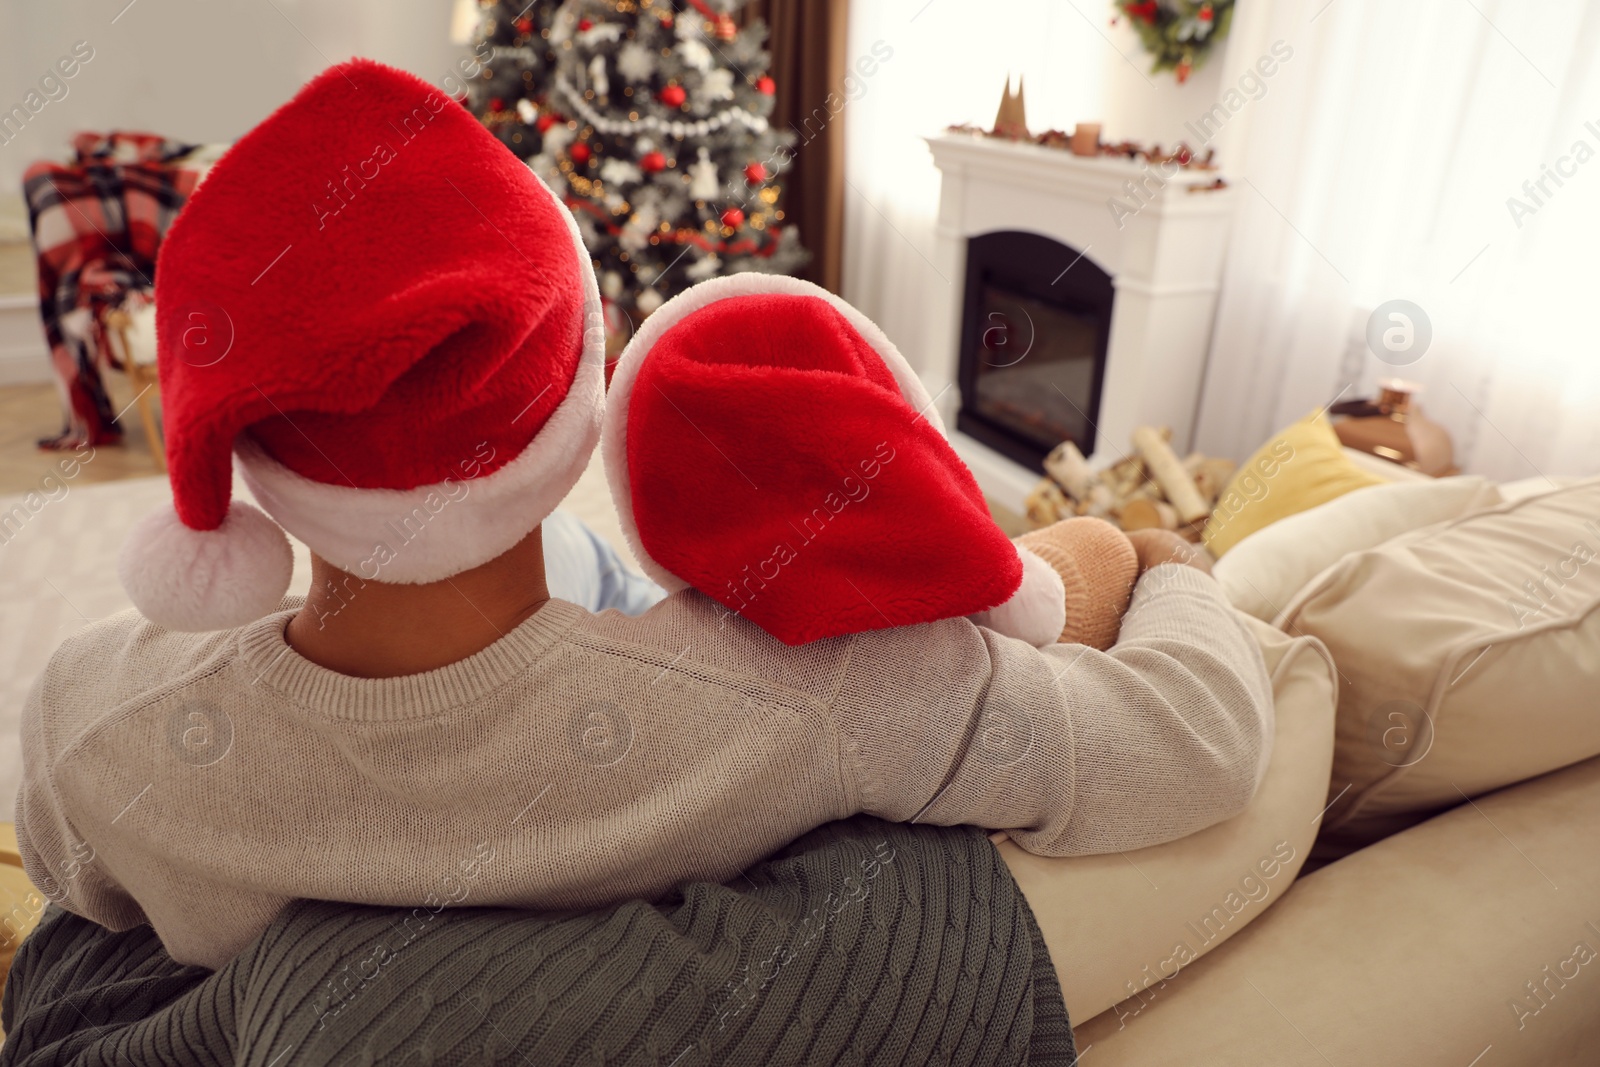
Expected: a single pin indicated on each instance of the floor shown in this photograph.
(29, 412)
(16, 268)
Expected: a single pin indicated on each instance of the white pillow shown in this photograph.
(1262, 573)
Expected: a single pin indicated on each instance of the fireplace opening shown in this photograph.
(1035, 324)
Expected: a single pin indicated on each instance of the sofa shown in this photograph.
(1448, 912)
(1458, 934)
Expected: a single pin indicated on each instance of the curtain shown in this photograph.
(1442, 152)
(807, 43)
(933, 63)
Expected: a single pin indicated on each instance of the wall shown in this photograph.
(198, 70)
(1152, 108)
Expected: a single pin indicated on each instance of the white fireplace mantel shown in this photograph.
(1164, 252)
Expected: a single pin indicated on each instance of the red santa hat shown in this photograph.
(767, 445)
(394, 327)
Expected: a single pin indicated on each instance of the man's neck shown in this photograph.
(377, 629)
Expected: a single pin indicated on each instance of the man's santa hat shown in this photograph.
(393, 326)
(767, 445)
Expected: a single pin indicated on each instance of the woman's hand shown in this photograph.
(1155, 547)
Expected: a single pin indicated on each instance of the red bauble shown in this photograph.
(673, 96)
(546, 121)
(497, 104)
(1206, 14)
(580, 153)
(766, 86)
(585, 24)
(1144, 12)
(733, 218)
(524, 25)
(652, 162)
(666, 22)
(755, 174)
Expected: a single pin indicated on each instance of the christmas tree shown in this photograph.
(652, 124)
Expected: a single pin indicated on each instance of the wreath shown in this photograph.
(1179, 33)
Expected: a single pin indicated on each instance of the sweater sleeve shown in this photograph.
(1070, 750)
(59, 862)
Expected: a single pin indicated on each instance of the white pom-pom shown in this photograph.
(197, 580)
(1037, 611)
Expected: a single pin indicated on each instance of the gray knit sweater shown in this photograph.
(200, 782)
(863, 943)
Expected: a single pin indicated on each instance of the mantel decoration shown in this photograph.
(1011, 124)
(1179, 33)
(1181, 154)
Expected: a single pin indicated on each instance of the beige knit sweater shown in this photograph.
(200, 782)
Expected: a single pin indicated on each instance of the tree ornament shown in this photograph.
(585, 24)
(705, 267)
(733, 218)
(652, 162)
(619, 172)
(673, 96)
(695, 54)
(766, 86)
(524, 25)
(547, 120)
(755, 173)
(704, 184)
(580, 153)
(526, 111)
(497, 105)
(635, 62)
(717, 85)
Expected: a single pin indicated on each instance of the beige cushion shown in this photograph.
(1112, 922)
(1414, 951)
(1264, 571)
(1455, 680)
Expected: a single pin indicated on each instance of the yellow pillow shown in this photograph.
(1295, 471)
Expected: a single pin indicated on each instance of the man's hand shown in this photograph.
(1155, 547)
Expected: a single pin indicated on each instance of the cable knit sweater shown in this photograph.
(202, 781)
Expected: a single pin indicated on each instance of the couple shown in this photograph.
(392, 728)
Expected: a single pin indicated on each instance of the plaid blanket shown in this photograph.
(97, 223)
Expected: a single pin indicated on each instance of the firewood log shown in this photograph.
(1099, 503)
(1145, 514)
(1047, 504)
(1212, 478)
(1167, 469)
(1070, 470)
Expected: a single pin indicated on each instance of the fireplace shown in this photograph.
(1036, 323)
(1020, 356)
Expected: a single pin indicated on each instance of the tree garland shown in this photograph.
(1179, 33)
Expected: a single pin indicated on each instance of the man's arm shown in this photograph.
(1071, 750)
(58, 861)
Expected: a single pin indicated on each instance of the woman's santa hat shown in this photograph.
(394, 327)
(767, 445)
